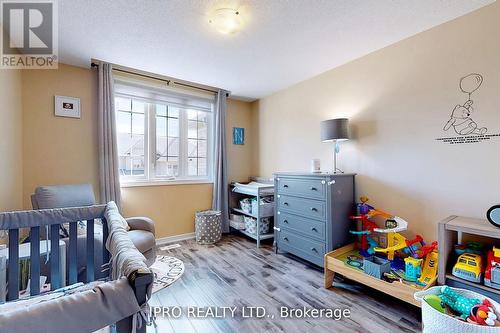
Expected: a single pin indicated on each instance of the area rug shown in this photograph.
(166, 271)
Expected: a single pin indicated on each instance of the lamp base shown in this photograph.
(336, 150)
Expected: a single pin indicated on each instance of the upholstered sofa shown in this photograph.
(141, 232)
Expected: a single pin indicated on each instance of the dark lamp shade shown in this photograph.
(335, 129)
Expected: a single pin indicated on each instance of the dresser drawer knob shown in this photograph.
(314, 229)
(314, 209)
(285, 186)
(285, 239)
(312, 188)
(285, 203)
(314, 249)
(285, 221)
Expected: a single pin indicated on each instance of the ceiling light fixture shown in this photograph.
(226, 20)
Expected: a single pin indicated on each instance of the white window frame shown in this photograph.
(149, 178)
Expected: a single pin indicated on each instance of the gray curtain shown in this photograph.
(108, 151)
(220, 192)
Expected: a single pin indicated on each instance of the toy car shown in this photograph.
(492, 272)
(469, 267)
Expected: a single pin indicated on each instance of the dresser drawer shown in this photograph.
(309, 188)
(305, 207)
(301, 246)
(307, 227)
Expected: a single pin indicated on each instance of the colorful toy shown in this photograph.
(413, 245)
(372, 244)
(457, 302)
(492, 271)
(426, 249)
(363, 207)
(483, 314)
(413, 269)
(395, 241)
(429, 270)
(367, 244)
(435, 302)
(469, 267)
(355, 261)
(470, 247)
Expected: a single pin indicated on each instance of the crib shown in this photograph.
(118, 299)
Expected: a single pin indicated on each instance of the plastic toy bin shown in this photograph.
(434, 321)
(376, 267)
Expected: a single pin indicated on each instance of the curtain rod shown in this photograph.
(118, 68)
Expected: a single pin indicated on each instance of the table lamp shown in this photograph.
(335, 130)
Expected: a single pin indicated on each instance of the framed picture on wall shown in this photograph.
(67, 107)
(238, 136)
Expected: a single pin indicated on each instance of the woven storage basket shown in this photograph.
(434, 321)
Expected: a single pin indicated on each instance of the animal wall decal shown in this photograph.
(460, 118)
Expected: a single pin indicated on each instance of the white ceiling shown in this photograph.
(282, 42)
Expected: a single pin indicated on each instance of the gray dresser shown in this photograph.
(312, 213)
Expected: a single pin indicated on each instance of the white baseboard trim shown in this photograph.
(173, 239)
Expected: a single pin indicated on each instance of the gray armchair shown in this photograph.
(142, 229)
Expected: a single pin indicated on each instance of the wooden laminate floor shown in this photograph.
(235, 273)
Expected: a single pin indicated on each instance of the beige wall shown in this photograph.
(398, 100)
(63, 151)
(11, 140)
(240, 164)
(172, 207)
(58, 150)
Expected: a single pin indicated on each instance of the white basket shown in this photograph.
(434, 321)
(265, 209)
(251, 225)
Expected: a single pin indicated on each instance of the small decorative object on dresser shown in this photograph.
(315, 165)
(312, 213)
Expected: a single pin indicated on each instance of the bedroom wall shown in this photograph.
(240, 164)
(11, 160)
(398, 100)
(64, 151)
(58, 150)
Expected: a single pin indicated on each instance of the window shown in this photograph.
(162, 137)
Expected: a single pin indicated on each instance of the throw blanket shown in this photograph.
(125, 258)
(82, 312)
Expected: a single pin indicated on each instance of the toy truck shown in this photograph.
(492, 272)
(469, 267)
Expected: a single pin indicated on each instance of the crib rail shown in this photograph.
(53, 218)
